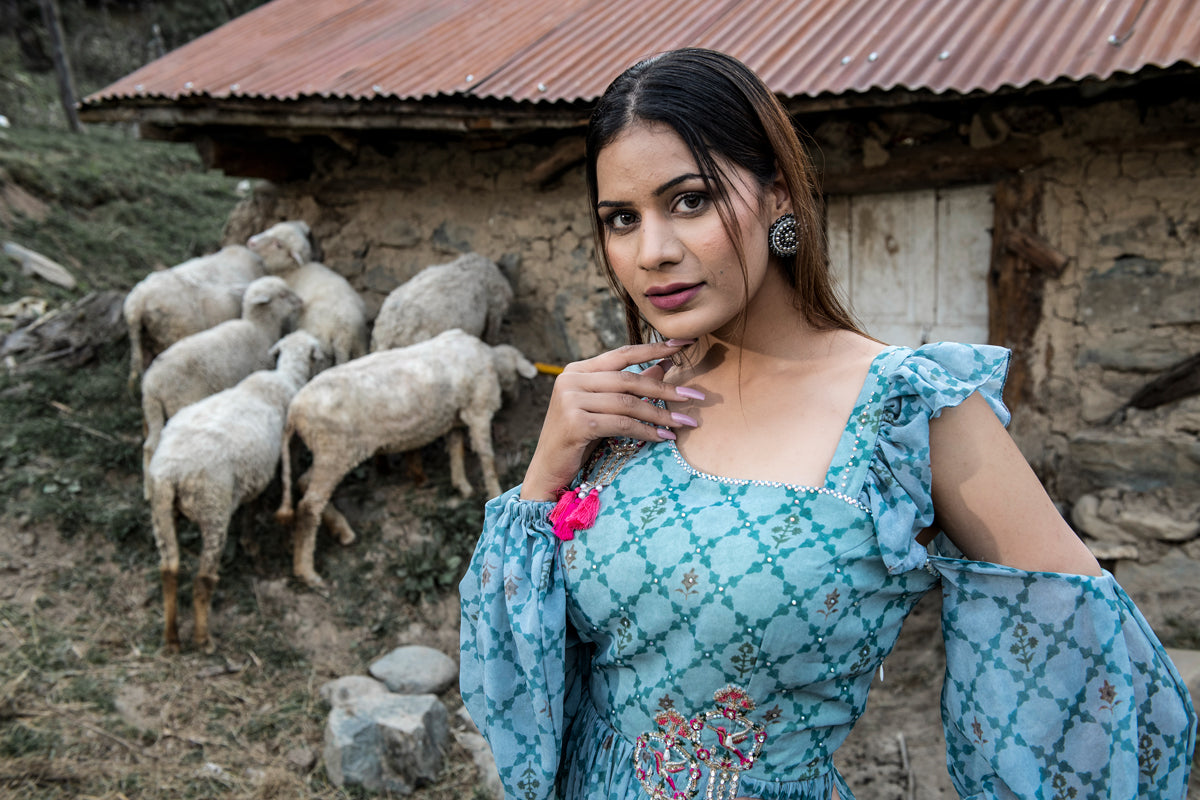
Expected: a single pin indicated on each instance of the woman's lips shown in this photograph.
(666, 298)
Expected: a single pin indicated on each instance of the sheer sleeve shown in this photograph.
(1056, 687)
(517, 670)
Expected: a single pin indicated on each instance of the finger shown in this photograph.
(648, 383)
(629, 355)
(631, 407)
(630, 428)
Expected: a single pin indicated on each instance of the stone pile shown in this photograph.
(388, 732)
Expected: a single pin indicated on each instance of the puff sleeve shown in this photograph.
(1055, 686)
(516, 654)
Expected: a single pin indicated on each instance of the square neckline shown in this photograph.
(845, 443)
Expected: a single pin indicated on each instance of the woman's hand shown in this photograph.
(595, 399)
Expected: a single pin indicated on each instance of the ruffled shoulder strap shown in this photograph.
(917, 387)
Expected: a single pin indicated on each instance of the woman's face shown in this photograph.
(664, 237)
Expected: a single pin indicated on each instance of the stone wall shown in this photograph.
(381, 214)
(1121, 197)
(1118, 187)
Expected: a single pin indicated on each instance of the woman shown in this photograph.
(709, 557)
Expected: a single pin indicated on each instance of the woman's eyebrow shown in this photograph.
(657, 192)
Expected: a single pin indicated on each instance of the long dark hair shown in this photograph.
(721, 110)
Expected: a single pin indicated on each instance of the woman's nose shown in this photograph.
(659, 244)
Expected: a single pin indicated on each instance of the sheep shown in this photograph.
(390, 402)
(333, 311)
(188, 298)
(468, 293)
(215, 359)
(214, 456)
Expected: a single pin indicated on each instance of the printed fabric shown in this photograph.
(715, 637)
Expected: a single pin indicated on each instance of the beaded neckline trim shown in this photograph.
(757, 482)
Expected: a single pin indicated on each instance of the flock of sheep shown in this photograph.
(246, 348)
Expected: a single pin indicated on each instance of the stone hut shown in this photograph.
(1009, 171)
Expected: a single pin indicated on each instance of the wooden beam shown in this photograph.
(934, 165)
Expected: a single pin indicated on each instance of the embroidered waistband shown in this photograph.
(668, 762)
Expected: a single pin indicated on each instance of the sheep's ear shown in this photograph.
(274, 351)
(298, 258)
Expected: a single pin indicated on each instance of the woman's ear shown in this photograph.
(778, 196)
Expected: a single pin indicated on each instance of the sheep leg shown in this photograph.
(331, 518)
(284, 515)
(162, 518)
(479, 426)
(416, 471)
(323, 479)
(458, 470)
(213, 530)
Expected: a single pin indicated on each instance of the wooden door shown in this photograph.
(914, 264)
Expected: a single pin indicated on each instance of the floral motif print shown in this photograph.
(523, 666)
(1024, 647)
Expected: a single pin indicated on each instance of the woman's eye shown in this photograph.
(620, 220)
(692, 201)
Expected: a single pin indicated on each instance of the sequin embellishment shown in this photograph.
(667, 761)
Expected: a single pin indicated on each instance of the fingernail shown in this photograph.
(689, 393)
(679, 342)
(684, 419)
(663, 433)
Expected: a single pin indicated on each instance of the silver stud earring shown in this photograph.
(781, 238)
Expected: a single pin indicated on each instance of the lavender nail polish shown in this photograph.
(689, 393)
(663, 433)
(684, 419)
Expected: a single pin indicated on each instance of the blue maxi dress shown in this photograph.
(714, 637)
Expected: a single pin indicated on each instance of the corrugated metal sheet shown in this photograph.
(568, 50)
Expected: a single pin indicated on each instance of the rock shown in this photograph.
(485, 763)
(1113, 517)
(1166, 592)
(1141, 461)
(391, 743)
(302, 758)
(1137, 293)
(351, 690)
(1096, 518)
(415, 669)
(1187, 662)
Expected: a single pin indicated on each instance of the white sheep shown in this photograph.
(215, 359)
(470, 293)
(214, 456)
(168, 305)
(333, 311)
(393, 401)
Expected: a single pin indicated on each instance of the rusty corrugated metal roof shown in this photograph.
(553, 51)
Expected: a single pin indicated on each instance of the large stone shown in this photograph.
(1187, 662)
(387, 743)
(415, 669)
(1135, 293)
(1138, 462)
(1167, 592)
(1137, 350)
(1113, 517)
(351, 690)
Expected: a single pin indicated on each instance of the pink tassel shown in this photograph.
(561, 512)
(583, 516)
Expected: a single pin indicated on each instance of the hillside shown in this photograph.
(89, 706)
